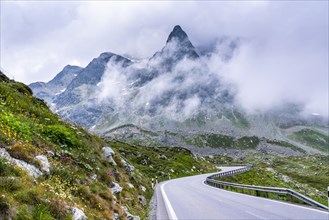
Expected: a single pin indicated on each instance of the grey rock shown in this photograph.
(116, 216)
(78, 214)
(31, 169)
(45, 165)
(142, 200)
(163, 157)
(115, 188)
(49, 90)
(93, 176)
(142, 188)
(128, 167)
(130, 185)
(129, 215)
(109, 153)
(51, 153)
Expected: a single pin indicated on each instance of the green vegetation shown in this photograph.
(285, 144)
(306, 174)
(164, 161)
(237, 119)
(223, 141)
(79, 176)
(312, 138)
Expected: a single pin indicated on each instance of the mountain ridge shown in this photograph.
(173, 90)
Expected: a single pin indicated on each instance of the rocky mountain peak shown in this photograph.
(177, 47)
(178, 34)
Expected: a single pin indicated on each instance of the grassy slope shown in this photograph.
(223, 141)
(312, 138)
(28, 128)
(161, 161)
(307, 174)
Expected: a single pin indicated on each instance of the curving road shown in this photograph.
(189, 198)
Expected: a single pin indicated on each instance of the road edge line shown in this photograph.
(170, 210)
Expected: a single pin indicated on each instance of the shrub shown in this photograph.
(41, 212)
(62, 135)
(24, 213)
(10, 183)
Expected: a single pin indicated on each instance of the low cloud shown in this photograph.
(282, 56)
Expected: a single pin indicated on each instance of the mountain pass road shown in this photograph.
(190, 198)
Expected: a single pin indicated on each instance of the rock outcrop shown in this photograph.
(31, 169)
(109, 153)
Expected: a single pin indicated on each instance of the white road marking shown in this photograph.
(170, 210)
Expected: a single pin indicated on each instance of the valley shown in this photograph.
(92, 142)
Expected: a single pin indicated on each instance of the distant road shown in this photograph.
(189, 198)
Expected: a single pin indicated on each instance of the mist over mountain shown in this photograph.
(179, 88)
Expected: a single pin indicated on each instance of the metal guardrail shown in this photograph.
(283, 191)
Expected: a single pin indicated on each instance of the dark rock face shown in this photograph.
(75, 91)
(184, 44)
(48, 91)
(90, 75)
(178, 47)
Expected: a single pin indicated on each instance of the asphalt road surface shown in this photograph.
(189, 198)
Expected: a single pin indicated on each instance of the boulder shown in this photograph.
(44, 163)
(93, 176)
(51, 153)
(78, 214)
(115, 188)
(109, 153)
(31, 169)
(130, 185)
(142, 200)
(129, 168)
(163, 157)
(142, 188)
(116, 216)
(129, 215)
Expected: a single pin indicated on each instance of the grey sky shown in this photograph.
(285, 55)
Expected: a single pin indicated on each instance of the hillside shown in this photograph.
(307, 175)
(50, 169)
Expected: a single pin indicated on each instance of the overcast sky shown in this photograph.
(286, 54)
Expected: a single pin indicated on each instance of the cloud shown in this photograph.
(283, 56)
(179, 92)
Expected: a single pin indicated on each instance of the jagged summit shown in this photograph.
(178, 46)
(178, 34)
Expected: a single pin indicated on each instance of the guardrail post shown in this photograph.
(277, 196)
(328, 197)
